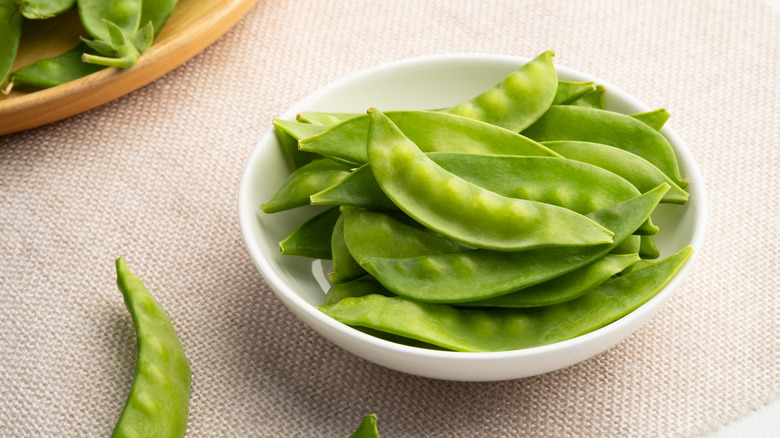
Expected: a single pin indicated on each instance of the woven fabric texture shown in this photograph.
(153, 177)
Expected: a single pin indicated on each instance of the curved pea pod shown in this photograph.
(42, 9)
(325, 119)
(312, 238)
(517, 101)
(478, 330)
(655, 119)
(289, 133)
(358, 189)
(574, 185)
(564, 288)
(373, 234)
(482, 274)
(345, 267)
(367, 428)
(304, 182)
(158, 402)
(567, 122)
(569, 91)
(430, 131)
(358, 287)
(10, 33)
(594, 99)
(464, 211)
(57, 70)
(638, 171)
(647, 248)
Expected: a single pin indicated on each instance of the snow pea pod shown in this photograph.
(116, 31)
(464, 211)
(312, 238)
(288, 133)
(345, 267)
(355, 288)
(482, 274)
(10, 33)
(430, 131)
(518, 100)
(325, 119)
(564, 288)
(57, 70)
(647, 248)
(638, 171)
(157, 13)
(567, 122)
(475, 330)
(358, 189)
(367, 428)
(655, 119)
(594, 99)
(568, 91)
(41, 9)
(158, 402)
(304, 182)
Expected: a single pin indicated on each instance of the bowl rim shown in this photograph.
(297, 304)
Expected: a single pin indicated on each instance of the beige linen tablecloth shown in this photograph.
(153, 177)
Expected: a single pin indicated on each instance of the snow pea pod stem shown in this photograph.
(158, 402)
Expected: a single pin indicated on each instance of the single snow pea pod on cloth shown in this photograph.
(312, 238)
(158, 403)
(564, 288)
(367, 428)
(475, 330)
(464, 211)
(374, 234)
(638, 171)
(358, 287)
(568, 91)
(10, 34)
(655, 119)
(430, 131)
(568, 122)
(304, 182)
(345, 267)
(481, 274)
(42, 9)
(518, 100)
(57, 70)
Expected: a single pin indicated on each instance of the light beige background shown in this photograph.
(153, 177)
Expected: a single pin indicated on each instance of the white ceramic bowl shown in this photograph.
(424, 83)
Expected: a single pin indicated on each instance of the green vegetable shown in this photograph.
(42, 9)
(158, 403)
(655, 119)
(367, 428)
(345, 267)
(304, 182)
(50, 72)
(568, 92)
(312, 238)
(10, 33)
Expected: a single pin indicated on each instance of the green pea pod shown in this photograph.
(594, 99)
(464, 211)
(358, 189)
(50, 72)
(647, 248)
(567, 122)
(345, 267)
(564, 288)
(312, 238)
(10, 33)
(517, 101)
(482, 274)
(358, 287)
(430, 131)
(367, 428)
(117, 31)
(475, 330)
(325, 119)
(288, 133)
(157, 13)
(158, 403)
(629, 245)
(638, 171)
(42, 9)
(568, 92)
(304, 182)
(655, 119)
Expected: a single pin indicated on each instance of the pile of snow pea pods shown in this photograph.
(118, 32)
(518, 218)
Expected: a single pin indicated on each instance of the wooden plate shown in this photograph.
(193, 26)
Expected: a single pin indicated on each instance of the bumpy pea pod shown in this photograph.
(568, 91)
(10, 33)
(312, 238)
(430, 131)
(50, 72)
(158, 403)
(482, 274)
(115, 26)
(637, 170)
(367, 428)
(567, 122)
(655, 119)
(464, 211)
(42, 9)
(304, 182)
(345, 267)
(564, 288)
(475, 330)
(517, 101)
